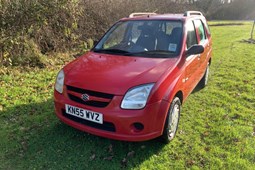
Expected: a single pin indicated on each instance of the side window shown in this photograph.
(191, 35)
(201, 30)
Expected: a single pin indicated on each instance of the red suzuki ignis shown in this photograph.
(132, 84)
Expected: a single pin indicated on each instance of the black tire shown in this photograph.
(204, 81)
(171, 125)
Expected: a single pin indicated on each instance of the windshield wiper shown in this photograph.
(111, 51)
(153, 52)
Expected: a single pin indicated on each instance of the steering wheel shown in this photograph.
(130, 43)
(126, 44)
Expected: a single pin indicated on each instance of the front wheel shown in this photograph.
(172, 121)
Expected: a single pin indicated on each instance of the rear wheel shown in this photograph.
(172, 121)
(204, 81)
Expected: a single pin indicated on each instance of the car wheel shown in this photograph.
(172, 121)
(204, 81)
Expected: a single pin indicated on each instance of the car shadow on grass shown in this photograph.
(36, 139)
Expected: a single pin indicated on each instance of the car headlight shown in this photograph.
(136, 98)
(59, 85)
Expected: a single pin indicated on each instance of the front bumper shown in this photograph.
(152, 117)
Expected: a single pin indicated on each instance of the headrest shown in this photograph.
(145, 29)
(176, 31)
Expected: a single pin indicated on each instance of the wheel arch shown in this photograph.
(179, 94)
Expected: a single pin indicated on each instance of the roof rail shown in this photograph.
(189, 13)
(141, 14)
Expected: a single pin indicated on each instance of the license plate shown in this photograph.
(84, 114)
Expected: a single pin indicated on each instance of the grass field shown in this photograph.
(217, 126)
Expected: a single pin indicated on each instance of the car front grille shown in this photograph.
(98, 99)
(107, 126)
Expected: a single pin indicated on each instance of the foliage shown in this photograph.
(30, 29)
(217, 125)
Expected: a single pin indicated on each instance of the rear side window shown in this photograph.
(201, 31)
(207, 27)
(191, 35)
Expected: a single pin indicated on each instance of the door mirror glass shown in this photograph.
(195, 49)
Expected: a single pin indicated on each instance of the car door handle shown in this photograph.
(185, 79)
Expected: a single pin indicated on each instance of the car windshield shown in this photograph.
(146, 38)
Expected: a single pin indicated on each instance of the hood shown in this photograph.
(115, 74)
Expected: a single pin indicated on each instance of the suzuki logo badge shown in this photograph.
(85, 97)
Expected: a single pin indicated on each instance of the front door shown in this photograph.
(204, 41)
(192, 61)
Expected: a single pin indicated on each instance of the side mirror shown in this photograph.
(195, 49)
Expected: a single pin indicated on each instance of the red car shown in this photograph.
(132, 84)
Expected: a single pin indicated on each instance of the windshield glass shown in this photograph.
(143, 38)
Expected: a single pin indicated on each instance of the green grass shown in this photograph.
(217, 126)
